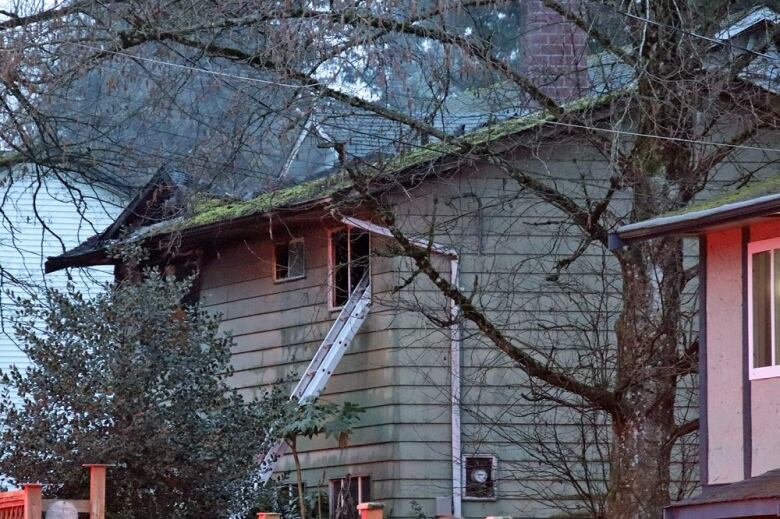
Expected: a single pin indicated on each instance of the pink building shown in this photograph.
(739, 356)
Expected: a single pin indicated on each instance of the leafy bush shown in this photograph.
(135, 379)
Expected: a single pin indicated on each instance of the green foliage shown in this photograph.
(417, 510)
(319, 417)
(287, 420)
(134, 379)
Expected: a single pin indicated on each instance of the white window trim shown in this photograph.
(494, 468)
(755, 373)
(332, 263)
(293, 278)
(331, 496)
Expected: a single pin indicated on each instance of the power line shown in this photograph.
(696, 35)
(193, 69)
(663, 137)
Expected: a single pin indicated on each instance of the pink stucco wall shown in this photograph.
(725, 378)
(724, 356)
(765, 395)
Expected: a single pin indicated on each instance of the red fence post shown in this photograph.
(97, 491)
(371, 510)
(33, 500)
(268, 515)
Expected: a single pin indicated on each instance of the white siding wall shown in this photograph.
(26, 240)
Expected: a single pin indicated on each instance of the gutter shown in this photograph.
(97, 256)
(455, 354)
(694, 222)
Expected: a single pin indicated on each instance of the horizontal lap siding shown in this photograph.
(510, 255)
(277, 328)
(398, 367)
(25, 244)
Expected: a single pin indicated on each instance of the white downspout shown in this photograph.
(455, 342)
(455, 347)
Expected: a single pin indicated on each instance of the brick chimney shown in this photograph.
(554, 51)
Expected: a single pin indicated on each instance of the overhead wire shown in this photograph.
(226, 75)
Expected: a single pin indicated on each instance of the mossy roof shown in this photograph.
(755, 200)
(211, 211)
(769, 186)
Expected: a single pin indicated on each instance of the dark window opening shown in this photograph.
(350, 253)
(289, 260)
(186, 266)
(348, 492)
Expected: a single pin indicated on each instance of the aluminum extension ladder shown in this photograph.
(324, 363)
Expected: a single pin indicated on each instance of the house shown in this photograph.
(305, 279)
(739, 363)
(282, 267)
(44, 215)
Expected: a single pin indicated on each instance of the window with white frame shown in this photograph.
(763, 308)
(349, 255)
(289, 260)
(348, 491)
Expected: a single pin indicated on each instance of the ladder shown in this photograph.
(328, 355)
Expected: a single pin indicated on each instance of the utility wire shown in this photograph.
(191, 68)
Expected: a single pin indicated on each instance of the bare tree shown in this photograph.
(680, 113)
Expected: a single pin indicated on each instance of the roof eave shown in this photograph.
(694, 223)
(192, 234)
(749, 507)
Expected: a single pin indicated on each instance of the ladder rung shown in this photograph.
(341, 333)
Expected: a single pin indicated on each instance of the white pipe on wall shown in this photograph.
(455, 353)
(455, 342)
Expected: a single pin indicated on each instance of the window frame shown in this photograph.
(332, 262)
(276, 262)
(494, 474)
(773, 370)
(332, 496)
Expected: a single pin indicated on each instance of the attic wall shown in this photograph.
(510, 243)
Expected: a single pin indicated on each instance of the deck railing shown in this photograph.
(28, 503)
(22, 504)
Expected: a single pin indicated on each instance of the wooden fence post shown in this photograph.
(97, 491)
(371, 510)
(33, 501)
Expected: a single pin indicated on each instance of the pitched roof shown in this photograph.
(205, 211)
(757, 496)
(751, 201)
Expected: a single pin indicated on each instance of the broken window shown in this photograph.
(346, 493)
(349, 262)
(289, 260)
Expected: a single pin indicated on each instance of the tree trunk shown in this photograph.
(298, 476)
(647, 333)
(639, 477)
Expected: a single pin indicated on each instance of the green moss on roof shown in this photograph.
(215, 210)
(211, 210)
(770, 186)
(490, 133)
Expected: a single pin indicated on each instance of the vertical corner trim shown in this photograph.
(747, 422)
(703, 426)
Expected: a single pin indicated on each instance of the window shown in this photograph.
(480, 475)
(349, 491)
(289, 260)
(349, 262)
(763, 316)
